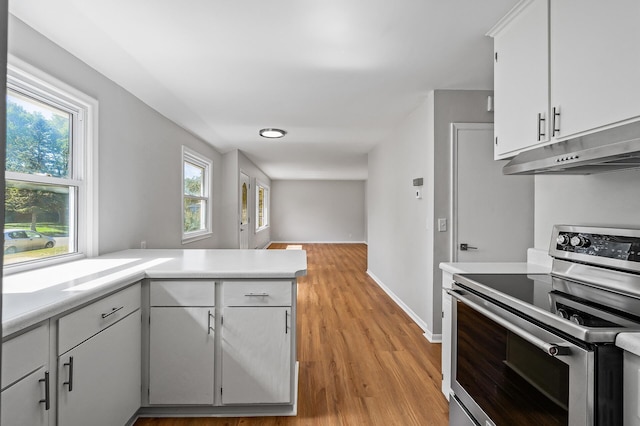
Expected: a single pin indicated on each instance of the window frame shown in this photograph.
(266, 205)
(83, 212)
(199, 160)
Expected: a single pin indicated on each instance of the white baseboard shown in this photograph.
(317, 242)
(433, 338)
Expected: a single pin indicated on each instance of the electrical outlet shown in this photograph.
(143, 244)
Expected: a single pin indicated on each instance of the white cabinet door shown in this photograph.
(595, 60)
(181, 360)
(99, 380)
(521, 74)
(256, 355)
(21, 402)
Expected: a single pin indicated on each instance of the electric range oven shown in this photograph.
(539, 349)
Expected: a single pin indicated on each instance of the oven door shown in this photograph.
(508, 371)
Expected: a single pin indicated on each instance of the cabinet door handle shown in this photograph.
(286, 322)
(47, 396)
(113, 311)
(256, 295)
(541, 127)
(70, 382)
(556, 121)
(209, 328)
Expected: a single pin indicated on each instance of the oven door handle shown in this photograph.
(552, 349)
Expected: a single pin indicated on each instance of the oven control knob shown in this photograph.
(580, 241)
(563, 313)
(577, 319)
(563, 240)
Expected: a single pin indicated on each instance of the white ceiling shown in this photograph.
(338, 75)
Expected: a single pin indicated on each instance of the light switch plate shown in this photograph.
(442, 225)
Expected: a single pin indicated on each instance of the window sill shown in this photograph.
(262, 229)
(42, 263)
(196, 237)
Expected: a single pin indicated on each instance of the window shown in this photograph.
(49, 170)
(262, 206)
(196, 201)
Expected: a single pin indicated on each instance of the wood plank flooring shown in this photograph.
(362, 360)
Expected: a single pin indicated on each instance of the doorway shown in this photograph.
(492, 214)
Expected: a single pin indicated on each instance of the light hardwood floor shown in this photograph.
(362, 360)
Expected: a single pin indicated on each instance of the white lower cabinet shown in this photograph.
(26, 388)
(99, 378)
(181, 356)
(256, 355)
(26, 403)
(447, 282)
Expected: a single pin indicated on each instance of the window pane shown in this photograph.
(244, 213)
(260, 207)
(194, 215)
(38, 137)
(36, 221)
(193, 177)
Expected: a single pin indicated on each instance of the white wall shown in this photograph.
(139, 153)
(610, 199)
(400, 253)
(404, 249)
(318, 211)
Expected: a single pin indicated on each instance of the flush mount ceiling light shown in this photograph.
(272, 133)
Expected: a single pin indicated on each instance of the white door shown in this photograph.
(101, 386)
(244, 210)
(256, 355)
(181, 360)
(492, 213)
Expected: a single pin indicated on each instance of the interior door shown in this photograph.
(245, 186)
(492, 213)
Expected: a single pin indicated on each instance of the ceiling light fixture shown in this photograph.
(272, 133)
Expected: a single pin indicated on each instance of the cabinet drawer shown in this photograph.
(256, 293)
(24, 354)
(183, 293)
(80, 325)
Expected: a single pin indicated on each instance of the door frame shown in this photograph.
(453, 190)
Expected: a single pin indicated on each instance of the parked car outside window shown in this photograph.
(16, 240)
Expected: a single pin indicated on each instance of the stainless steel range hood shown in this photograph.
(609, 150)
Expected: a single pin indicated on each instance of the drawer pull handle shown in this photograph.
(286, 322)
(113, 311)
(47, 396)
(70, 365)
(209, 328)
(256, 295)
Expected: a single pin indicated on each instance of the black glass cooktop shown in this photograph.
(529, 288)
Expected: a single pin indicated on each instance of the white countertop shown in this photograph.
(494, 268)
(34, 296)
(630, 342)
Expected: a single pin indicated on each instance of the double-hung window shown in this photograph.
(262, 206)
(196, 198)
(49, 170)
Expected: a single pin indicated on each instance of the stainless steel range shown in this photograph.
(539, 349)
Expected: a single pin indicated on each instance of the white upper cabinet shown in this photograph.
(595, 63)
(564, 68)
(521, 74)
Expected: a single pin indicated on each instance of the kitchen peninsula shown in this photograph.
(200, 332)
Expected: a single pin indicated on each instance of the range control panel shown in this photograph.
(604, 245)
